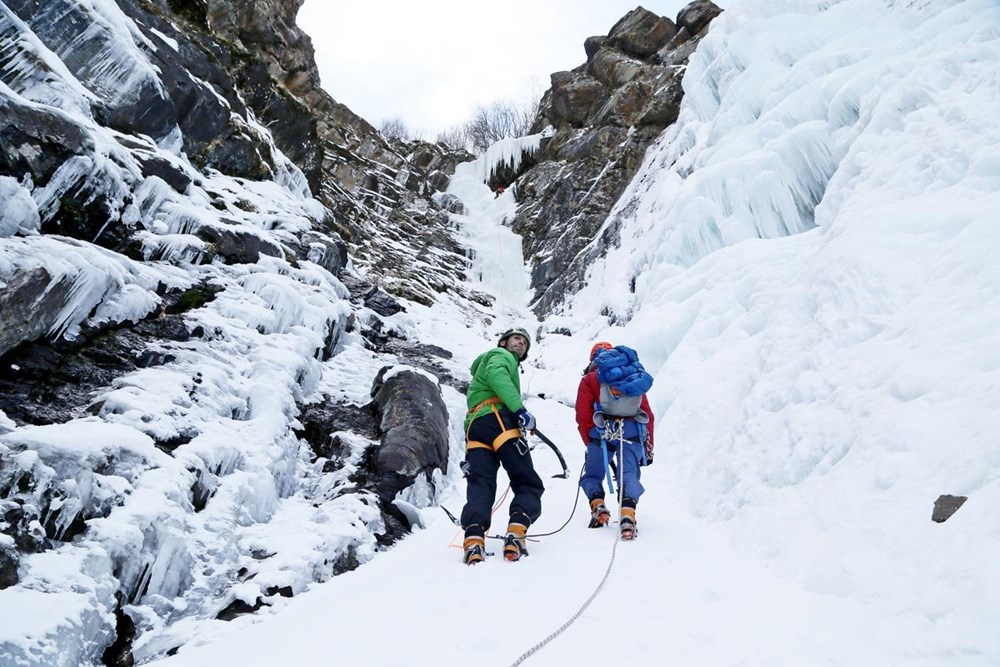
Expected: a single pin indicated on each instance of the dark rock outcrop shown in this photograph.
(408, 419)
(945, 506)
(51, 382)
(321, 421)
(8, 567)
(36, 140)
(119, 654)
(30, 303)
(237, 246)
(413, 423)
(641, 33)
(605, 114)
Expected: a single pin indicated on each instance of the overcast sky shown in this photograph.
(431, 63)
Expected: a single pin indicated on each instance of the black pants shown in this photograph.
(484, 462)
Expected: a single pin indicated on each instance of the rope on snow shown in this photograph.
(614, 550)
(537, 647)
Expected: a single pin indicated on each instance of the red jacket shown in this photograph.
(588, 394)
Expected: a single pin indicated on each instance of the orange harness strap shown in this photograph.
(505, 433)
(489, 401)
(498, 441)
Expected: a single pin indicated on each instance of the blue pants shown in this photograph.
(628, 460)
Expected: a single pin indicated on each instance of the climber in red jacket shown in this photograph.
(634, 434)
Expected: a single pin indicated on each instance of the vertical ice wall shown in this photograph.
(808, 265)
(496, 259)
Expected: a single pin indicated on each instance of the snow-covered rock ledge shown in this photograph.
(172, 305)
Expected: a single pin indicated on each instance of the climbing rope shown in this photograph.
(614, 550)
(496, 506)
(576, 502)
(499, 503)
(572, 513)
(537, 647)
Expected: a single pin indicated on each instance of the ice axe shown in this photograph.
(562, 461)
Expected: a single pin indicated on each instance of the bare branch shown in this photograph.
(501, 119)
(395, 128)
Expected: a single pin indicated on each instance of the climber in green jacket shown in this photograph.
(494, 434)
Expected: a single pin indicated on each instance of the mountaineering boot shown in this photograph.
(599, 513)
(475, 549)
(627, 527)
(513, 545)
(626, 524)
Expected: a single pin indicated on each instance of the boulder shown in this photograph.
(697, 15)
(614, 68)
(327, 250)
(592, 44)
(237, 246)
(31, 303)
(8, 566)
(945, 506)
(413, 422)
(575, 96)
(641, 32)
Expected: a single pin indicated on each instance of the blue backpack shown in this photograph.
(622, 381)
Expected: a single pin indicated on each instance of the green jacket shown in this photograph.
(494, 373)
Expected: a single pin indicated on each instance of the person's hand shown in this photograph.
(527, 419)
(649, 457)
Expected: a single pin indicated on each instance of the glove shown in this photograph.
(649, 457)
(527, 419)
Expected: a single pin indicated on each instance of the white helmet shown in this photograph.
(520, 331)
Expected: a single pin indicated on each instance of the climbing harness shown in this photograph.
(611, 429)
(505, 434)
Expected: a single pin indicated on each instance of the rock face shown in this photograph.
(188, 198)
(351, 168)
(219, 222)
(8, 566)
(30, 303)
(605, 114)
(51, 382)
